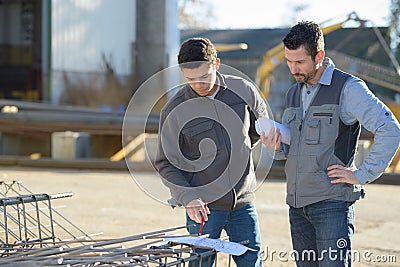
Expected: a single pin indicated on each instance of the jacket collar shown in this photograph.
(326, 77)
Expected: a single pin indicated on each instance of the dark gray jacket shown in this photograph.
(204, 145)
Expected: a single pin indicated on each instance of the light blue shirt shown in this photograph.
(358, 103)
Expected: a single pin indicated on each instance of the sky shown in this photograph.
(239, 14)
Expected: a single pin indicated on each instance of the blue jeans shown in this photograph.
(322, 232)
(241, 226)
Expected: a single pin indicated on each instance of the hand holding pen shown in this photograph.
(197, 210)
(203, 220)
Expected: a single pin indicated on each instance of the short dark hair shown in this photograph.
(305, 33)
(195, 50)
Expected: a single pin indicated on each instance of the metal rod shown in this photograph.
(60, 215)
(5, 222)
(51, 220)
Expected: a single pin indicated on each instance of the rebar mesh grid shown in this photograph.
(33, 233)
(28, 219)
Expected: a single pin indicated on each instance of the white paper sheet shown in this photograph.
(217, 244)
(264, 125)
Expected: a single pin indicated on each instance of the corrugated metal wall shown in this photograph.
(85, 36)
(82, 30)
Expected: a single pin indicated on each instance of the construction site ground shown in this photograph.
(111, 203)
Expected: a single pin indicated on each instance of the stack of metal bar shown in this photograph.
(139, 250)
(34, 233)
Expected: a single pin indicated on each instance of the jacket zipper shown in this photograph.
(227, 152)
(324, 114)
(298, 149)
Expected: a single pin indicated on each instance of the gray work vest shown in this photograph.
(319, 140)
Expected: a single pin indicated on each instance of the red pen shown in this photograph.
(202, 221)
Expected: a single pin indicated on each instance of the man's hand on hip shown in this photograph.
(342, 175)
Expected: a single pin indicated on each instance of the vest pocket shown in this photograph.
(312, 132)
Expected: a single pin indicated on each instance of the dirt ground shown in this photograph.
(112, 203)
